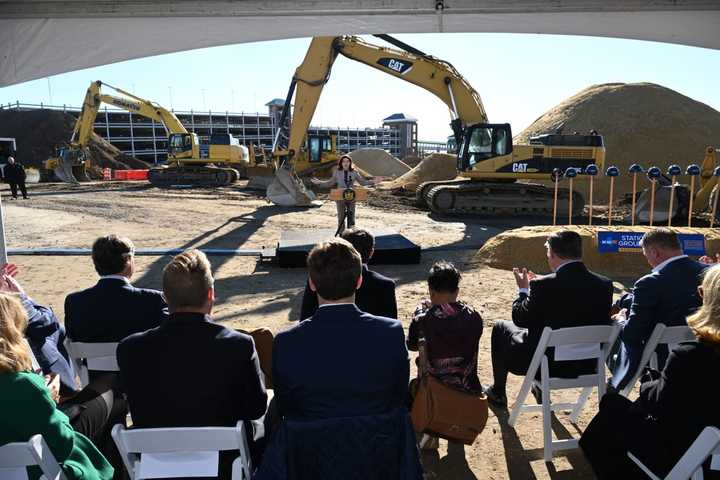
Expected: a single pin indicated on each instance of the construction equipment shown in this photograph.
(685, 200)
(190, 162)
(488, 163)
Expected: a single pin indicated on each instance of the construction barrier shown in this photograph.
(107, 174)
(131, 174)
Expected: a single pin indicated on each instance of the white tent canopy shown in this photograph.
(39, 38)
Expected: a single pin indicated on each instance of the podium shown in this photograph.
(349, 194)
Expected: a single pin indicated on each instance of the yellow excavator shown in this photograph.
(190, 162)
(489, 165)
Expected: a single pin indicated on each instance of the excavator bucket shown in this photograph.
(64, 171)
(681, 203)
(287, 190)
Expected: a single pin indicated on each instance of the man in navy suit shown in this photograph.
(340, 362)
(666, 295)
(113, 308)
(377, 293)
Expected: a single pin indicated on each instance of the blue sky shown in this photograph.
(518, 76)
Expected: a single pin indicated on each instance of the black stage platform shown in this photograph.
(391, 248)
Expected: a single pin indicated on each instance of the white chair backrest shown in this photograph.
(91, 356)
(35, 364)
(187, 452)
(661, 334)
(705, 445)
(15, 457)
(579, 343)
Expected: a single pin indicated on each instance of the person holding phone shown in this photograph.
(344, 177)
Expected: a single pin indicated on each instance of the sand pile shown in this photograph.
(524, 247)
(38, 132)
(438, 166)
(378, 162)
(641, 123)
(412, 161)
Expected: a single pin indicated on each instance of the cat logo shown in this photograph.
(400, 66)
(519, 167)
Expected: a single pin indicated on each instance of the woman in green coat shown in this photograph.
(27, 408)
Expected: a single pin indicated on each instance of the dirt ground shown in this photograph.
(250, 294)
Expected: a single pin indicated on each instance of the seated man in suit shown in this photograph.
(377, 293)
(571, 296)
(340, 362)
(112, 309)
(666, 295)
(189, 371)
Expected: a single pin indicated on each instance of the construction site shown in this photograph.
(612, 157)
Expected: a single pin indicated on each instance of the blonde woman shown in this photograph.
(27, 406)
(673, 408)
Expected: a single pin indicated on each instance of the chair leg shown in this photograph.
(520, 401)
(547, 425)
(582, 399)
(698, 474)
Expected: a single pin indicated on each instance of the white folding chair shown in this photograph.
(690, 464)
(91, 356)
(661, 334)
(186, 452)
(15, 457)
(576, 343)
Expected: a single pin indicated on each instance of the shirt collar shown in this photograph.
(116, 277)
(334, 304)
(667, 262)
(566, 263)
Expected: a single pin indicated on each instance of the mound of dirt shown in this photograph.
(378, 162)
(412, 161)
(641, 123)
(524, 247)
(38, 132)
(438, 166)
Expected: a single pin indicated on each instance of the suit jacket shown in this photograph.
(27, 409)
(112, 310)
(667, 297)
(572, 297)
(14, 173)
(340, 362)
(46, 336)
(375, 296)
(190, 372)
(370, 447)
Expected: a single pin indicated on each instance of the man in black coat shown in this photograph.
(666, 295)
(14, 173)
(113, 308)
(340, 362)
(377, 293)
(571, 296)
(189, 371)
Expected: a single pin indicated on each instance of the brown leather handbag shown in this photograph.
(445, 412)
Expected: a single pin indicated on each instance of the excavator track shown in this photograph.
(196, 176)
(496, 199)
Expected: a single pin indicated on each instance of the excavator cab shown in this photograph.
(181, 145)
(317, 145)
(484, 141)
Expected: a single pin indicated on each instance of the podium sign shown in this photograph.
(349, 194)
(622, 242)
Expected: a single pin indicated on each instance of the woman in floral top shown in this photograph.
(451, 328)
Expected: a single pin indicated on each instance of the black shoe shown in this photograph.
(496, 399)
(537, 393)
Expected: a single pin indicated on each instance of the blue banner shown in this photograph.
(614, 242)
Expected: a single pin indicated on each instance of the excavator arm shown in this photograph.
(94, 98)
(407, 63)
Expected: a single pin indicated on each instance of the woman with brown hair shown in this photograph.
(344, 177)
(27, 406)
(674, 405)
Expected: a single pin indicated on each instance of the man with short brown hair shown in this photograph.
(376, 295)
(340, 362)
(191, 372)
(666, 295)
(113, 308)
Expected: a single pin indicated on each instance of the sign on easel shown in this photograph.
(621, 242)
(349, 194)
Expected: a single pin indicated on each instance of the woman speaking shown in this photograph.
(344, 177)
